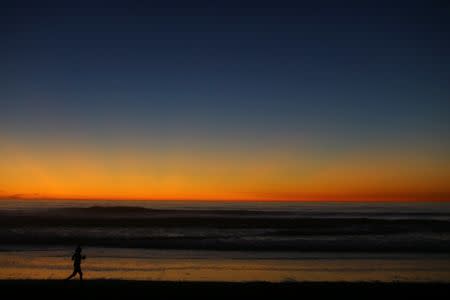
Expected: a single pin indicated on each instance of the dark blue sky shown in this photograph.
(259, 100)
(350, 72)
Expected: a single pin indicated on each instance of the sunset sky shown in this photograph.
(210, 101)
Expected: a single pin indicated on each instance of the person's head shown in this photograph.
(78, 249)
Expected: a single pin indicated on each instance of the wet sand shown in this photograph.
(224, 266)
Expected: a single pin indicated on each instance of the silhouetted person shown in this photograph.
(77, 257)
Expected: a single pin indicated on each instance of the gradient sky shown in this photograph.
(221, 100)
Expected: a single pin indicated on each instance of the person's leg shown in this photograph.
(72, 275)
(81, 275)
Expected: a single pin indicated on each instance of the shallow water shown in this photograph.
(177, 265)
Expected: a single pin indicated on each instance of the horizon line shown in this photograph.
(380, 200)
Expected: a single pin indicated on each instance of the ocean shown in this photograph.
(226, 241)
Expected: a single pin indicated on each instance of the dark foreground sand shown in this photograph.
(117, 289)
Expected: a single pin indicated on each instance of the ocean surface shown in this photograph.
(227, 241)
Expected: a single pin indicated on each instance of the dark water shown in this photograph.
(227, 241)
(252, 226)
(435, 210)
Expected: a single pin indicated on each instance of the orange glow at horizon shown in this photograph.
(197, 173)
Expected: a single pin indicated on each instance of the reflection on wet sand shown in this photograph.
(137, 264)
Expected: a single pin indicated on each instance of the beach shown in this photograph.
(227, 242)
(219, 290)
